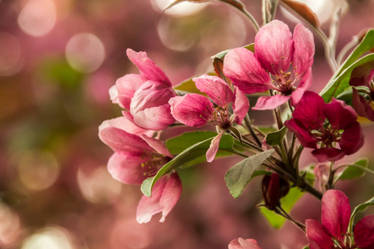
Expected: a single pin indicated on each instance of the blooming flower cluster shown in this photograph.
(280, 69)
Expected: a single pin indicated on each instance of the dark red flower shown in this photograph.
(331, 129)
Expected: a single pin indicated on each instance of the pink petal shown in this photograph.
(165, 194)
(111, 134)
(126, 167)
(147, 67)
(157, 145)
(192, 110)
(364, 232)
(244, 70)
(150, 108)
(273, 46)
(241, 243)
(213, 148)
(327, 154)
(303, 49)
(335, 213)
(317, 236)
(270, 102)
(124, 89)
(215, 88)
(128, 124)
(304, 85)
(352, 139)
(240, 106)
(301, 133)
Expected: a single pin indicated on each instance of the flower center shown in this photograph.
(221, 115)
(327, 135)
(284, 83)
(151, 166)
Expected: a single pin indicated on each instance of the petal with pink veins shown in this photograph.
(303, 50)
(215, 88)
(240, 106)
(213, 148)
(241, 243)
(274, 47)
(339, 114)
(157, 145)
(149, 106)
(124, 89)
(165, 194)
(317, 236)
(364, 232)
(111, 133)
(270, 102)
(126, 167)
(147, 67)
(193, 110)
(335, 213)
(245, 71)
(304, 85)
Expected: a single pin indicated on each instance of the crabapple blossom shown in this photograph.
(144, 96)
(332, 233)
(135, 158)
(196, 110)
(330, 129)
(268, 68)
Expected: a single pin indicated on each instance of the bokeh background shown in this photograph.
(58, 59)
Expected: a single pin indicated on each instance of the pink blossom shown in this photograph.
(165, 194)
(241, 243)
(330, 129)
(144, 96)
(196, 110)
(268, 67)
(135, 158)
(335, 215)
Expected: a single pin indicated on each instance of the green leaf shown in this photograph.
(238, 176)
(275, 138)
(340, 80)
(355, 170)
(358, 209)
(287, 204)
(188, 154)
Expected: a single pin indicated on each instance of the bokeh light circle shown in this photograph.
(97, 185)
(38, 170)
(10, 226)
(38, 17)
(181, 9)
(85, 52)
(49, 238)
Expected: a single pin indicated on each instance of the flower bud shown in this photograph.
(273, 189)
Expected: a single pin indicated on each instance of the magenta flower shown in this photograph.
(135, 158)
(330, 129)
(241, 243)
(145, 96)
(268, 67)
(196, 110)
(332, 233)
